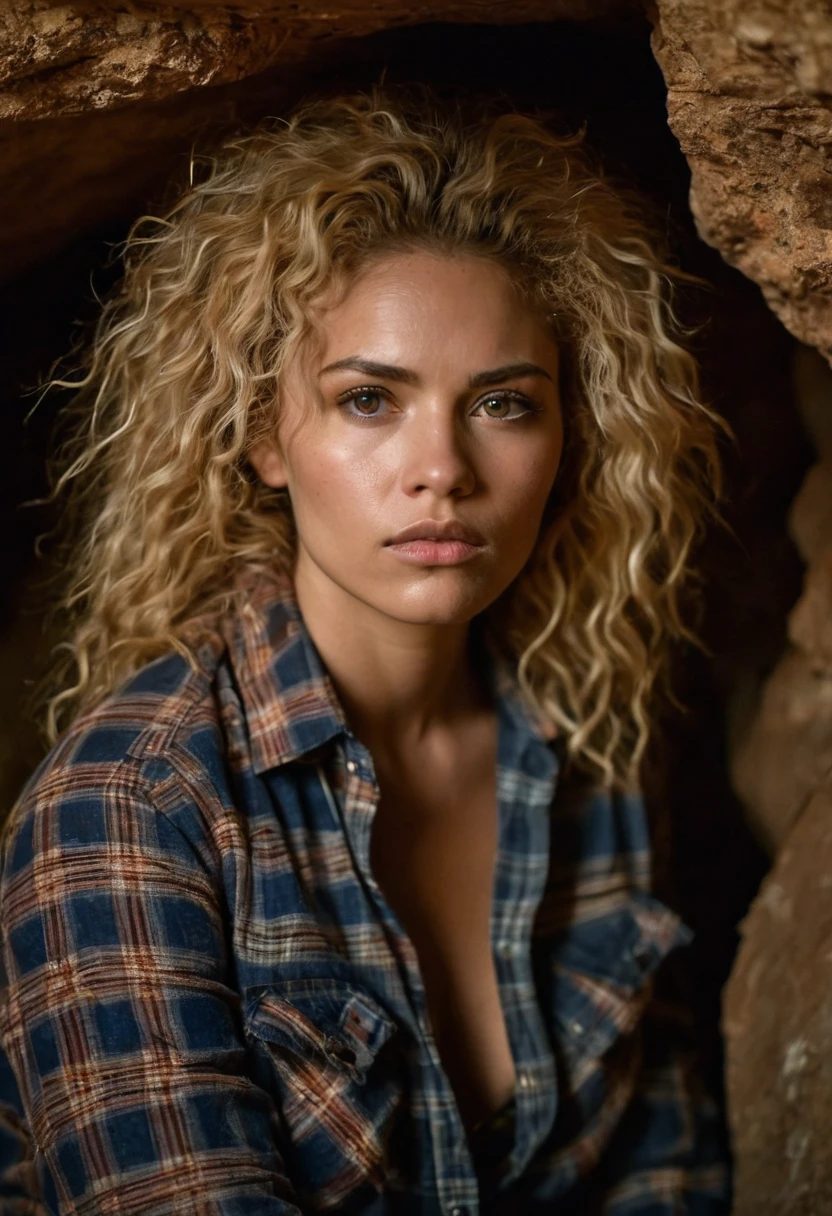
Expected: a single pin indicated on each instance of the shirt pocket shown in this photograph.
(332, 1057)
(602, 971)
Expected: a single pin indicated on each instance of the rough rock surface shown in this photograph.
(810, 622)
(778, 1024)
(810, 521)
(71, 58)
(778, 1002)
(98, 101)
(786, 753)
(750, 100)
(788, 750)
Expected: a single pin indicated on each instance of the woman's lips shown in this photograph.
(435, 552)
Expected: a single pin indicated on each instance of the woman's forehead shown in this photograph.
(413, 295)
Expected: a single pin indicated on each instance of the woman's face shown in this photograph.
(438, 401)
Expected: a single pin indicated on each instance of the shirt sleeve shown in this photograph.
(670, 1153)
(20, 1194)
(119, 1020)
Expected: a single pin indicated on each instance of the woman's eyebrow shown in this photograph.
(508, 371)
(390, 371)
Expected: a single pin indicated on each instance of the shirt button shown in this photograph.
(338, 1048)
(526, 1082)
(456, 1210)
(351, 766)
(642, 957)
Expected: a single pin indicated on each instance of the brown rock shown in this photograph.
(749, 100)
(98, 106)
(813, 384)
(777, 1019)
(810, 518)
(787, 752)
(810, 621)
(70, 58)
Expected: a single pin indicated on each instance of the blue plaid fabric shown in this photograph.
(209, 1007)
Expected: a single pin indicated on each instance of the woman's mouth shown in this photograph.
(425, 552)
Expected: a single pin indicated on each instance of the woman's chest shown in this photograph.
(436, 871)
(332, 1042)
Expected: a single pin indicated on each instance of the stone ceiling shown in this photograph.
(97, 101)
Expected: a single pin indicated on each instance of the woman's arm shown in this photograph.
(636, 1133)
(119, 1020)
(669, 1156)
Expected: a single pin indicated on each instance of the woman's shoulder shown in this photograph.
(164, 722)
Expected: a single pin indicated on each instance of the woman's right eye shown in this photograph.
(364, 399)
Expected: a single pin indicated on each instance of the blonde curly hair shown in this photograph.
(184, 372)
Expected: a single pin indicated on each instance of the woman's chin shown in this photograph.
(437, 606)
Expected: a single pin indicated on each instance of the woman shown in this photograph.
(335, 893)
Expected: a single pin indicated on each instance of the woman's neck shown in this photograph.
(401, 684)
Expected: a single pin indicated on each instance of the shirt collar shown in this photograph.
(290, 702)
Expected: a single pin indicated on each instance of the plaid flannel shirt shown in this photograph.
(210, 1007)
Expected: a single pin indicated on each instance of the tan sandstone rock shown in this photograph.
(750, 101)
(99, 102)
(778, 1028)
(810, 519)
(787, 753)
(69, 58)
(810, 621)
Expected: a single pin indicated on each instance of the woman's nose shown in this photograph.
(437, 457)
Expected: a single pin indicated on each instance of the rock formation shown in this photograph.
(750, 101)
(98, 101)
(778, 1002)
(778, 1020)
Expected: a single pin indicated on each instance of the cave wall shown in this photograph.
(750, 99)
(778, 1000)
(98, 106)
(98, 101)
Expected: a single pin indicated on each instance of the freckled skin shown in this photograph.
(353, 484)
(431, 449)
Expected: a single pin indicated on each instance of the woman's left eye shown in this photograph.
(362, 397)
(507, 399)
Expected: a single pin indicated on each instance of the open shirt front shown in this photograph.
(210, 1007)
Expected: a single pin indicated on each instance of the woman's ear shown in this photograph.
(266, 458)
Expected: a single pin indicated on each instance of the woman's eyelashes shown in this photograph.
(362, 396)
(365, 408)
